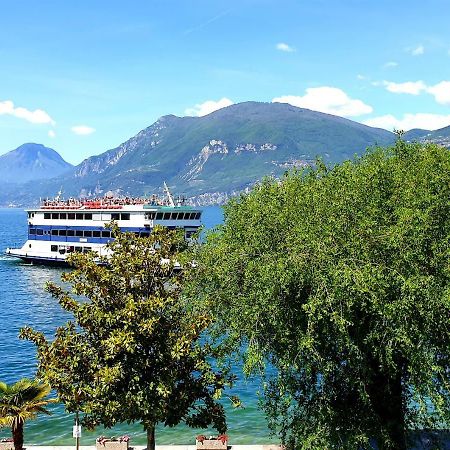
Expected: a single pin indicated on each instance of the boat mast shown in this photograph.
(169, 195)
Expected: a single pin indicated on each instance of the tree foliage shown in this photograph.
(132, 352)
(339, 278)
(22, 401)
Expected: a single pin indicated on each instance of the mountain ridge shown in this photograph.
(213, 156)
(30, 162)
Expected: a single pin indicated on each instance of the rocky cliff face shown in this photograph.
(151, 137)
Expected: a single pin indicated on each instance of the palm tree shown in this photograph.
(22, 401)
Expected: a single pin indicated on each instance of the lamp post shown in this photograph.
(77, 431)
(77, 427)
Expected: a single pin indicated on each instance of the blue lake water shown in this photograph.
(23, 301)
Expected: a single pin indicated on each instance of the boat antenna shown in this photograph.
(59, 194)
(169, 195)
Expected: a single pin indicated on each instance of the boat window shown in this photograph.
(55, 215)
(189, 233)
(32, 231)
(71, 216)
(159, 216)
(150, 215)
(106, 234)
(62, 251)
(78, 249)
(39, 232)
(197, 216)
(87, 233)
(87, 249)
(125, 216)
(46, 215)
(166, 216)
(54, 248)
(96, 233)
(88, 216)
(79, 233)
(145, 234)
(79, 216)
(54, 232)
(70, 249)
(115, 216)
(181, 216)
(63, 216)
(70, 232)
(62, 232)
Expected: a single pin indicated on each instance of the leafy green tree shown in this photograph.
(22, 401)
(132, 352)
(340, 279)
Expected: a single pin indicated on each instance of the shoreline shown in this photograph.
(158, 447)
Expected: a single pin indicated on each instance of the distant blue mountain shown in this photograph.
(31, 162)
(440, 136)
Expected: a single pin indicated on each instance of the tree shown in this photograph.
(22, 401)
(132, 352)
(339, 278)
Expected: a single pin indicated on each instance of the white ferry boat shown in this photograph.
(60, 227)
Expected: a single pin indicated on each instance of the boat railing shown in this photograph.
(109, 203)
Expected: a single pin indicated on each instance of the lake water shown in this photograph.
(23, 301)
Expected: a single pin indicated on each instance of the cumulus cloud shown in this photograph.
(409, 87)
(51, 134)
(38, 116)
(283, 47)
(419, 50)
(202, 109)
(329, 100)
(409, 121)
(82, 130)
(440, 91)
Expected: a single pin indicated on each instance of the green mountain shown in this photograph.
(212, 156)
(441, 136)
(31, 162)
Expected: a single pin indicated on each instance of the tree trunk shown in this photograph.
(150, 437)
(386, 395)
(17, 432)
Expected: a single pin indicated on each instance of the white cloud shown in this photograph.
(361, 77)
(390, 64)
(283, 47)
(409, 87)
(51, 134)
(409, 121)
(419, 50)
(441, 92)
(329, 100)
(37, 116)
(202, 109)
(82, 130)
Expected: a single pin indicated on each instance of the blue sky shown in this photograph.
(83, 76)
